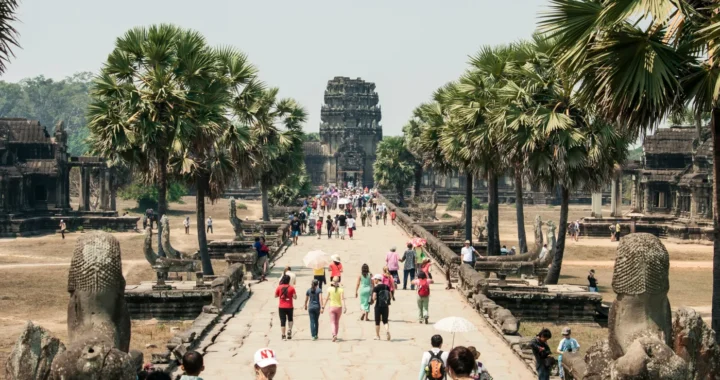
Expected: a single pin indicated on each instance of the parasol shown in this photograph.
(343, 201)
(317, 259)
(417, 242)
(454, 325)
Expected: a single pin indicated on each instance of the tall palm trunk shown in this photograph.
(519, 209)
(493, 215)
(202, 237)
(162, 184)
(554, 274)
(468, 206)
(715, 121)
(401, 195)
(265, 203)
(418, 179)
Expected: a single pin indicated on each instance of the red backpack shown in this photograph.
(423, 288)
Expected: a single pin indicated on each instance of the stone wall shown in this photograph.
(50, 224)
(662, 227)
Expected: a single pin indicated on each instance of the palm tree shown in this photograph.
(211, 154)
(394, 167)
(8, 34)
(636, 73)
(149, 92)
(277, 153)
(412, 131)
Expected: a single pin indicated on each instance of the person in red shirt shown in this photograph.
(287, 294)
(318, 226)
(393, 215)
(336, 267)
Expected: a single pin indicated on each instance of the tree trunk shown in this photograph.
(468, 206)
(418, 180)
(715, 127)
(265, 203)
(162, 185)
(493, 215)
(401, 196)
(202, 237)
(554, 274)
(698, 126)
(519, 210)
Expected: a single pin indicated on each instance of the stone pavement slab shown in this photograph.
(356, 355)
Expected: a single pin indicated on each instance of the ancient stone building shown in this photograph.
(675, 177)
(350, 131)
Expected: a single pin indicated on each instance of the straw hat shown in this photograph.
(335, 258)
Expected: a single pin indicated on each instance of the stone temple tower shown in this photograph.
(349, 132)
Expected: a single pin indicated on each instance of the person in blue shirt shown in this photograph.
(262, 255)
(503, 251)
(567, 344)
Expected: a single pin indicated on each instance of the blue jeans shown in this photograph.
(543, 372)
(592, 289)
(407, 272)
(314, 321)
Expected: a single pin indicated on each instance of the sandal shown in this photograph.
(334, 338)
(388, 335)
(289, 335)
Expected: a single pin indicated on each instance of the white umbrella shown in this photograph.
(454, 325)
(317, 259)
(343, 201)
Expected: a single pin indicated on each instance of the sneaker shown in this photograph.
(314, 338)
(426, 320)
(289, 336)
(284, 337)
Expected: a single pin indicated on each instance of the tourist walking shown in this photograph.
(378, 214)
(369, 212)
(389, 280)
(384, 214)
(286, 293)
(393, 216)
(335, 303)
(543, 252)
(592, 281)
(391, 260)
(288, 272)
(612, 232)
(409, 268)
(363, 216)
(336, 227)
(295, 226)
(467, 253)
(262, 251)
(319, 275)
(363, 290)
(617, 231)
(577, 230)
(318, 226)
(460, 363)
(481, 372)
(342, 225)
(336, 267)
(423, 296)
(542, 353)
(63, 227)
(186, 224)
(381, 298)
(567, 344)
(433, 365)
(265, 364)
(350, 226)
(329, 224)
(208, 223)
(313, 298)
(192, 365)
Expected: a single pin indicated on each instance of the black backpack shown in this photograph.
(383, 298)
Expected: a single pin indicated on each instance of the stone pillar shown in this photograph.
(616, 197)
(693, 203)
(21, 205)
(111, 186)
(596, 199)
(633, 193)
(104, 189)
(646, 199)
(85, 188)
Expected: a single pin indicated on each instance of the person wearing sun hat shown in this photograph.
(265, 364)
(336, 267)
(567, 344)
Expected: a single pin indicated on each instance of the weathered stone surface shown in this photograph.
(93, 359)
(234, 221)
(695, 343)
(165, 241)
(33, 354)
(649, 358)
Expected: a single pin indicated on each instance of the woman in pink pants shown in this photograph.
(335, 303)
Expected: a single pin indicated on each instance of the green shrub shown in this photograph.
(146, 196)
(80, 228)
(446, 216)
(455, 203)
(242, 206)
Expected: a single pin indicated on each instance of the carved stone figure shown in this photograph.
(643, 340)
(33, 354)
(164, 264)
(165, 241)
(235, 222)
(551, 242)
(537, 229)
(98, 318)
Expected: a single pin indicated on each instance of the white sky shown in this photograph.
(407, 47)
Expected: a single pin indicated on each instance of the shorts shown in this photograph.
(285, 314)
(381, 313)
(295, 233)
(321, 279)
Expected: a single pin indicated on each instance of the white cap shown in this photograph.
(378, 277)
(265, 357)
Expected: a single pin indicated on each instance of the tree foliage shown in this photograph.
(8, 33)
(293, 187)
(49, 102)
(146, 196)
(394, 167)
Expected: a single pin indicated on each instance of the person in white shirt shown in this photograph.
(544, 251)
(350, 225)
(186, 223)
(288, 272)
(436, 341)
(467, 254)
(209, 225)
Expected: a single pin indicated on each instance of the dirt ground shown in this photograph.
(33, 271)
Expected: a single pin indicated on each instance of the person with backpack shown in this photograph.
(423, 296)
(313, 298)
(433, 365)
(381, 298)
(286, 293)
(543, 356)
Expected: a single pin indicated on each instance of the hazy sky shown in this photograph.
(407, 47)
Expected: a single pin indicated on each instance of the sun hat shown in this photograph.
(378, 277)
(335, 258)
(393, 249)
(265, 357)
(566, 331)
(467, 241)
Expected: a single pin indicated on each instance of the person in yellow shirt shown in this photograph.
(335, 303)
(319, 275)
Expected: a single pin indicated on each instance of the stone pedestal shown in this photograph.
(596, 205)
